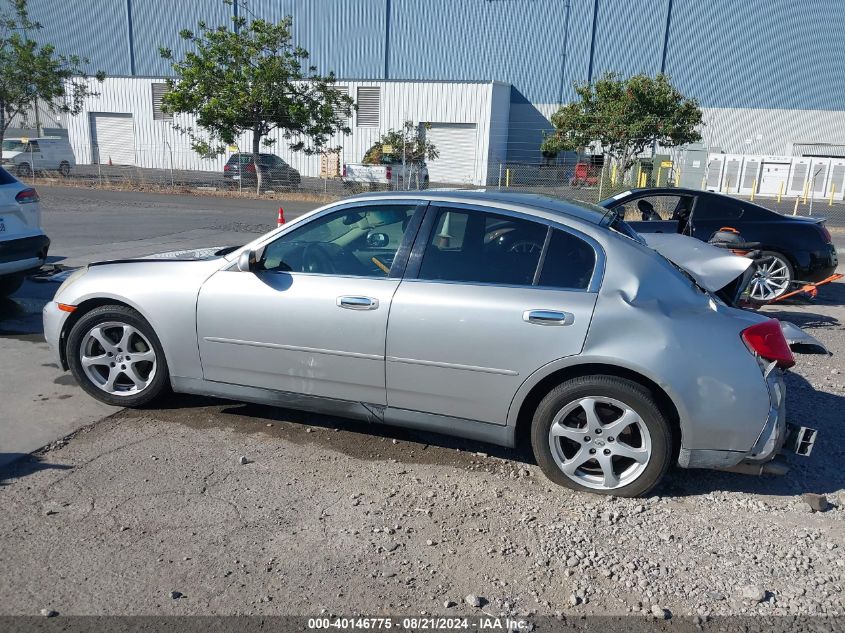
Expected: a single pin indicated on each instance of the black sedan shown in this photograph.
(239, 171)
(799, 248)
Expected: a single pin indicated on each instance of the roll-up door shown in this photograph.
(112, 138)
(456, 147)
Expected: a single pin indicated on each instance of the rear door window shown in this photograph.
(480, 247)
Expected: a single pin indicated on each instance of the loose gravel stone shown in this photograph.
(817, 503)
(243, 460)
(175, 595)
(659, 612)
(49, 613)
(474, 601)
(753, 593)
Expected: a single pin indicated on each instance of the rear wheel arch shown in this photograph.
(522, 432)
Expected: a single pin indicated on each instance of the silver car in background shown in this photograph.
(496, 317)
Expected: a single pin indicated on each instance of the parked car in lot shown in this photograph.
(391, 175)
(23, 245)
(512, 317)
(796, 248)
(49, 153)
(239, 170)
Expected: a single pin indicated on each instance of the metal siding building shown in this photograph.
(148, 142)
(765, 70)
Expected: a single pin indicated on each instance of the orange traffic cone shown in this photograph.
(281, 218)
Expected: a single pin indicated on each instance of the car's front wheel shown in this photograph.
(602, 434)
(116, 357)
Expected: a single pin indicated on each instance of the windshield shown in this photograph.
(14, 145)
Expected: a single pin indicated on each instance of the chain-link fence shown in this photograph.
(160, 167)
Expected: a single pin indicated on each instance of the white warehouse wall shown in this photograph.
(484, 104)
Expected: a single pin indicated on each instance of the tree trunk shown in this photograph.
(256, 148)
(2, 125)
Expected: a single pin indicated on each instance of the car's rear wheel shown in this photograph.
(116, 357)
(602, 434)
(10, 284)
(64, 169)
(773, 278)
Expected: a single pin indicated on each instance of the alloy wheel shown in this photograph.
(117, 358)
(600, 442)
(771, 280)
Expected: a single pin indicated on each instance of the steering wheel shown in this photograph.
(316, 259)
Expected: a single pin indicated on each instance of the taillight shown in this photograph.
(250, 168)
(226, 168)
(825, 233)
(27, 196)
(767, 341)
(389, 173)
(344, 171)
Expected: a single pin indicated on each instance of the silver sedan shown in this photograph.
(495, 317)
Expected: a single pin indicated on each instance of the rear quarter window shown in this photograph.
(569, 262)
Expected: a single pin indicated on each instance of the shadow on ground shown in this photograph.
(18, 465)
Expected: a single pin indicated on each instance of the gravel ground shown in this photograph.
(333, 516)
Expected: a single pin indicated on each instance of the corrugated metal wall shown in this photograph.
(757, 53)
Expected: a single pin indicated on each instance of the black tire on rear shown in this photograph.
(124, 314)
(10, 284)
(790, 275)
(630, 393)
(64, 169)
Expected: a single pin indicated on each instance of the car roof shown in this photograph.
(554, 206)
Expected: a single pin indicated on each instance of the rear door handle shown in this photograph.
(548, 317)
(357, 303)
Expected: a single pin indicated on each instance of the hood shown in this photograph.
(712, 267)
(10, 154)
(208, 252)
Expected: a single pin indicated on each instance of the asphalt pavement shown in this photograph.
(41, 403)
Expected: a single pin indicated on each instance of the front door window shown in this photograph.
(359, 242)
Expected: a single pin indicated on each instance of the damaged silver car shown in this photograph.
(495, 317)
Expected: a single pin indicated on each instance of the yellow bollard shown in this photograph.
(657, 182)
(806, 190)
(613, 175)
(780, 191)
(508, 177)
(795, 208)
(832, 191)
(753, 189)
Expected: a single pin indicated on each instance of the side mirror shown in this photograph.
(377, 240)
(246, 261)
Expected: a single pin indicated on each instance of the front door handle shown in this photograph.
(548, 317)
(357, 303)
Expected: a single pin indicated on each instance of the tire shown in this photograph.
(24, 170)
(10, 284)
(647, 437)
(110, 324)
(64, 169)
(773, 279)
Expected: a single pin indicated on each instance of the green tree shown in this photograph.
(253, 78)
(625, 116)
(31, 72)
(409, 143)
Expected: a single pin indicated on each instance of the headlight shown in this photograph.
(76, 274)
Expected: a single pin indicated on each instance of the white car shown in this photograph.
(23, 156)
(23, 245)
(394, 175)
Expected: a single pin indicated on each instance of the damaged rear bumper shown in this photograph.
(775, 437)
